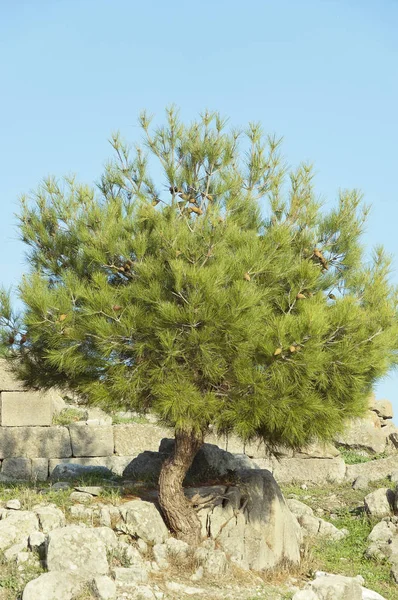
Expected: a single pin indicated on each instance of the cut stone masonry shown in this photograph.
(31, 447)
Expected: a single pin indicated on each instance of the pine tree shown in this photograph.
(218, 293)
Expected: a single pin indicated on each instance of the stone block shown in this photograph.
(17, 468)
(116, 464)
(35, 442)
(8, 381)
(19, 409)
(309, 470)
(39, 469)
(361, 434)
(134, 438)
(374, 470)
(91, 440)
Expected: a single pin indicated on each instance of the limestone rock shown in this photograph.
(214, 562)
(50, 517)
(305, 594)
(60, 486)
(91, 440)
(54, 585)
(129, 555)
(94, 490)
(336, 587)
(299, 509)
(161, 556)
(126, 576)
(107, 536)
(58, 403)
(146, 466)
(177, 548)
(383, 408)
(29, 408)
(143, 520)
(363, 435)
(211, 461)
(311, 470)
(133, 439)
(76, 548)
(17, 527)
(313, 526)
(75, 471)
(35, 442)
(383, 541)
(11, 553)
(253, 524)
(173, 586)
(374, 470)
(371, 595)
(9, 382)
(97, 416)
(379, 503)
(19, 469)
(361, 483)
(39, 469)
(37, 540)
(104, 588)
(318, 450)
(81, 497)
(13, 504)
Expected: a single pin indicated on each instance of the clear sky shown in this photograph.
(322, 73)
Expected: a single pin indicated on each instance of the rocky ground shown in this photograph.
(333, 535)
(70, 540)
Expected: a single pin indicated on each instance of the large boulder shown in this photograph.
(145, 467)
(312, 525)
(250, 521)
(380, 503)
(210, 462)
(77, 549)
(311, 470)
(75, 471)
(374, 470)
(363, 434)
(50, 517)
(383, 540)
(16, 526)
(142, 520)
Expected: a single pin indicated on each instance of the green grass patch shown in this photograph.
(354, 457)
(68, 416)
(117, 420)
(346, 557)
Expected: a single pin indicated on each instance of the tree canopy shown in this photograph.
(217, 291)
(202, 280)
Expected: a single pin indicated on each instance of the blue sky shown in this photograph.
(321, 73)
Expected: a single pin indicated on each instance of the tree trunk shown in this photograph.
(177, 509)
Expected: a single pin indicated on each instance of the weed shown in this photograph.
(13, 579)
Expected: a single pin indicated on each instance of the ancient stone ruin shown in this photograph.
(31, 446)
(123, 549)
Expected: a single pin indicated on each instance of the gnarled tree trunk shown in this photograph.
(178, 511)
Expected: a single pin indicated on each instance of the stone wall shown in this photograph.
(31, 446)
